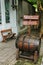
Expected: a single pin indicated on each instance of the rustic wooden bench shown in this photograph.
(7, 34)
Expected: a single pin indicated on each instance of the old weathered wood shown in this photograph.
(7, 33)
(31, 20)
(26, 42)
(35, 56)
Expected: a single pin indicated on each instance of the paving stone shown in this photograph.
(8, 53)
(41, 49)
(42, 62)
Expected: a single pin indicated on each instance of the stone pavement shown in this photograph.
(8, 53)
(41, 49)
(42, 62)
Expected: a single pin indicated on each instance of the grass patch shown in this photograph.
(28, 62)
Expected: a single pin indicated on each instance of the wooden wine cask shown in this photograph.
(19, 41)
(27, 43)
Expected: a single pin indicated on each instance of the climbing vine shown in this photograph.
(41, 7)
(39, 3)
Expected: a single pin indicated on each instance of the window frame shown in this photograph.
(0, 13)
(7, 13)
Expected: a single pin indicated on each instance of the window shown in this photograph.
(0, 11)
(7, 11)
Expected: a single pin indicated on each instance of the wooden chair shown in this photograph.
(6, 34)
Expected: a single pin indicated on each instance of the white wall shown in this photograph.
(13, 18)
(12, 24)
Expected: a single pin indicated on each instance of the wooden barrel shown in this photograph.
(26, 43)
(19, 42)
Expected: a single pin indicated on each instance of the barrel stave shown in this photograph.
(26, 43)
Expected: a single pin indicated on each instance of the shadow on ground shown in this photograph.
(28, 62)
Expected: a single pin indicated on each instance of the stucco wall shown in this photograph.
(13, 22)
(25, 7)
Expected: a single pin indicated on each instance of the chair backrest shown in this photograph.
(31, 20)
(6, 31)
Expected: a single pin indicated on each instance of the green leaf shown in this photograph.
(33, 1)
